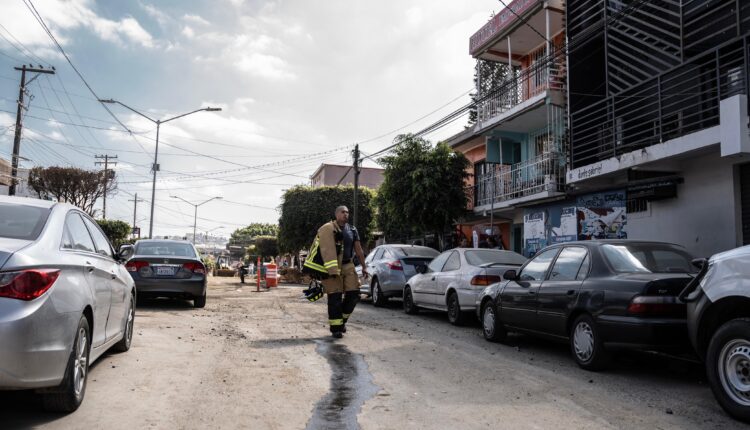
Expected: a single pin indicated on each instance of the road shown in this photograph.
(265, 361)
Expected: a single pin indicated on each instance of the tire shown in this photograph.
(124, 344)
(378, 298)
(409, 306)
(200, 302)
(586, 345)
(455, 316)
(492, 329)
(68, 396)
(728, 367)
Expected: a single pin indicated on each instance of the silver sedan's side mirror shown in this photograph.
(126, 251)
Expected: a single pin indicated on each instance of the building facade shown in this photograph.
(335, 174)
(22, 184)
(658, 119)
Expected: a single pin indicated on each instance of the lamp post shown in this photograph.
(155, 166)
(195, 205)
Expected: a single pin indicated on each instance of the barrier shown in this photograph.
(271, 275)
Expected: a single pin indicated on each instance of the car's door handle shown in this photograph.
(571, 292)
(89, 266)
(532, 292)
(433, 278)
(114, 275)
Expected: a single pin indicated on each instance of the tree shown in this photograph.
(267, 246)
(117, 231)
(489, 76)
(244, 236)
(304, 209)
(76, 186)
(423, 188)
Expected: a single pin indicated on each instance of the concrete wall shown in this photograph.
(705, 215)
(330, 175)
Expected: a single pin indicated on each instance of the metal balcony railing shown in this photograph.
(545, 172)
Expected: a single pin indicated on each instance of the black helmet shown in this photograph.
(314, 291)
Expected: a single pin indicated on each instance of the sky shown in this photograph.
(299, 83)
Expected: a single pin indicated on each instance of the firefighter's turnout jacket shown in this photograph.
(325, 253)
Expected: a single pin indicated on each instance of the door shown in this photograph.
(423, 290)
(78, 241)
(120, 294)
(559, 291)
(518, 300)
(449, 275)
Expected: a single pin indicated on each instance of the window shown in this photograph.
(100, 240)
(21, 221)
(537, 268)
(416, 251)
(490, 257)
(171, 249)
(648, 258)
(437, 264)
(585, 267)
(567, 264)
(378, 254)
(454, 263)
(371, 255)
(388, 254)
(79, 237)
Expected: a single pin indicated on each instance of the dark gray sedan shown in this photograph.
(168, 268)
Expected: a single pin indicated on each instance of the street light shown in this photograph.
(155, 166)
(195, 205)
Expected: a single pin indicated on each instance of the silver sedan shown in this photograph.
(65, 299)
(454, 279)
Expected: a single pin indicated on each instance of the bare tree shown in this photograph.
(76, 186)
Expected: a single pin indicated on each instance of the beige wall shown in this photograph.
(330, 175)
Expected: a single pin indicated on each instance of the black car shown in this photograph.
(168, 268)
(596, 295)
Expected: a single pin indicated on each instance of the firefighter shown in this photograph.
(339, 242)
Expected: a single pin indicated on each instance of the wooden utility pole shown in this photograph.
(106, 164)
(356, 184)
(19, 123)
(135, 201)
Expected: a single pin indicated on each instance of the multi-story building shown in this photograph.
(658, 119)
(517, 145)
(22, 188)
(335, 174)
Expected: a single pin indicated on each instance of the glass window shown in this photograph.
(370, 256)
(389, 254)
(21, 221)
(416, 251)
(379, 254)
(537, 267)
(567, 264)
(585, 266)
(79, 234)
(648, 258)
(437, 264)
(491, 257)
(171, 249)
(100, 240)
(454, 263)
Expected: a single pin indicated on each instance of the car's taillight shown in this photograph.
(134, 266)
(195, 267)
(27, 284)
(657, 306)
(485, 280)
(395, 265)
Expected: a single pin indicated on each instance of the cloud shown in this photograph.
(264, 66)
(195, 19)
(188, 32)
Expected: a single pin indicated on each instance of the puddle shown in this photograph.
(351, 387)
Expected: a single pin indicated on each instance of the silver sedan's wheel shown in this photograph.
(127, 337)
(734, 370)
(80, 366)
(583, 341)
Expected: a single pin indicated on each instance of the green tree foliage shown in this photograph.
(304, 209)
(245, 236)
(423, 188)
(76, 186)
(267, 246)
(116, 231)
(488, 77)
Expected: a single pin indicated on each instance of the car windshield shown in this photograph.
(487, 257)
(21, 221)
(416, 252)
(648, 258)
(173, 249)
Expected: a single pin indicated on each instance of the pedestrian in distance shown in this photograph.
(332, 256)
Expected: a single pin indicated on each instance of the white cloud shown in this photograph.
(264, 66)
(188, 32)
(195, 19)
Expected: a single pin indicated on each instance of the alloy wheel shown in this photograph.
(734, 370)
(583, 341)
(80, 366)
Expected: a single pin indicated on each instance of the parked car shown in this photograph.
(168, 268)
(719, 325)
(454, 279)
(596, 295)
(65, 299)
(390, 267)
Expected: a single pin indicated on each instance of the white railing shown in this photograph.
(545, 172)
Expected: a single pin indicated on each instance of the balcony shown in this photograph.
(538, 177)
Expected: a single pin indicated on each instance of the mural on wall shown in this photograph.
(602, 216)
(546, 225)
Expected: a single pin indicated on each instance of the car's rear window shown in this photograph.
(165, 248)
(21, 221)
(648, 258)
(485, 257)
(416, 252)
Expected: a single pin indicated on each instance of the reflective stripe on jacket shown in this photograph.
(331, 245)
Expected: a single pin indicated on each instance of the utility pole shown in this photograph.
(356, 184)
(135, 201)
(106, 163)
(19, 119)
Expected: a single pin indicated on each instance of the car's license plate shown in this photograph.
(164, 271)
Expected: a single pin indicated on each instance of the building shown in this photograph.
(518, 144)
(22, 188)
(658, 120)
(335, 174)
